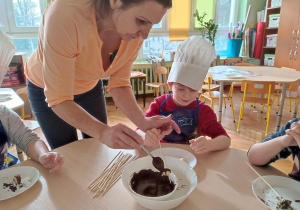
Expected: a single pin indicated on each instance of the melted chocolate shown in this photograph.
(151, 184)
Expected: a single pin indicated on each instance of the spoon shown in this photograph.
(157, 162)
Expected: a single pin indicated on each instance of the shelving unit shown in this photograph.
(268, 31)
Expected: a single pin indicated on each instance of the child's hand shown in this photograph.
(200, 145)
(52, 161)
(152, 137)
(294, 132)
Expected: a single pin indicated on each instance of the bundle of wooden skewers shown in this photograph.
(111, 174)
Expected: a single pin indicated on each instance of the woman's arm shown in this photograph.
(119, 136)
(125, 100)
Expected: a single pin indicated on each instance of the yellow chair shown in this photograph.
(236, 84)
(160, 71)
(210, 91)
(257, 87)
(291, 93)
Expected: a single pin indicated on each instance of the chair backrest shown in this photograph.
(163, 71)
(293, 87)
(257, 87)
(244, 64)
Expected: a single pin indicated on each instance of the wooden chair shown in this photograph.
(210, 91)
(160, 71)
(257, 88)
(237, 84)
(292, 93)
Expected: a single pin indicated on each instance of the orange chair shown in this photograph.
(210, 91)
(257, 87)
(160, 71)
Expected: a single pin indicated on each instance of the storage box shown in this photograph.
(274, 20)
(11, 78)
(271, 40)
(269, 59)
(275, 3)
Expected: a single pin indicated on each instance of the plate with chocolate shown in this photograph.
(16, 180)
(181, 154)
(288, 188)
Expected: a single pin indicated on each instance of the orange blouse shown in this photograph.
(68, 59)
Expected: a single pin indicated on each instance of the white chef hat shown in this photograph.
(192, 61)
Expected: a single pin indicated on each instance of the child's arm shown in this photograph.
(262, 153)
(202, 145)
(39, 152)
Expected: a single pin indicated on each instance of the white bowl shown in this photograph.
(187, 181)
(172, 177)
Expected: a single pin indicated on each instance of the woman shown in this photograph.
(80, 42)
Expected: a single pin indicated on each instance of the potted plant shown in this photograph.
(208, 29)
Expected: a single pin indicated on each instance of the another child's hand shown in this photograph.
(52, 161)
(152, 137)
(200, 145)
(294, 132)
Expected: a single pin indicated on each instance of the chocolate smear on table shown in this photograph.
(152, 184)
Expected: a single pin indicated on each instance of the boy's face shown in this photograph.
(183, 95)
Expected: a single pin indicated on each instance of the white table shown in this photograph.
(271, 74)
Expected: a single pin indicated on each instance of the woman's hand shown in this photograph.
(152, 137)
(121, 137)
(52, 161)
(200, 145)
(165, 124)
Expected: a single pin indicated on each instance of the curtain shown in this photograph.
(179, 20)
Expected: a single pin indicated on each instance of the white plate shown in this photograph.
(178, 153)
(235, 76)
(5, 97)
(286, 187)
(29, 176)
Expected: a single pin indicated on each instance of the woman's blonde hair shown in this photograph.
(102, 7)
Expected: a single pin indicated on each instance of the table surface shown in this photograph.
(15, 102)
(266, 73)
(224, 181)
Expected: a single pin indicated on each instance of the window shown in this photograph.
(223, 12)
(21, 19)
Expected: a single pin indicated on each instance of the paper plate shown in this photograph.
(178, 153)
(286, 187)
(29, 176)
(5, 97)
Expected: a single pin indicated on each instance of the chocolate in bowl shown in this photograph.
(151, 184)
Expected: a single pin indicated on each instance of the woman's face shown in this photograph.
(136, 21)
(183, 95)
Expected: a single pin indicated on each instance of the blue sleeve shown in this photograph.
(286, 151)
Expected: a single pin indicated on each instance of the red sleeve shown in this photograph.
(153, 108)
(208, 123)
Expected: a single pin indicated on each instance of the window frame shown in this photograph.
(10, 26)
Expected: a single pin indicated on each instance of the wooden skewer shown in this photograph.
(162, 154)
(263, 179)
(111, 174)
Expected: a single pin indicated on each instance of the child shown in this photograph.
(279, 145)
(13, 131)
(195, 119)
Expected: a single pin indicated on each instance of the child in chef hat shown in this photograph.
(196, 120)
